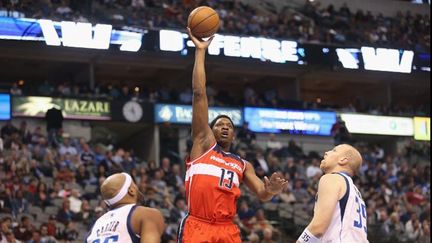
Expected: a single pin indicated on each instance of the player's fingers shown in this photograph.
(266, 180)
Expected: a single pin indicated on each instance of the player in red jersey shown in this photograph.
(213, 175)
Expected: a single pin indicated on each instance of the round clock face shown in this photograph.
(132, 111)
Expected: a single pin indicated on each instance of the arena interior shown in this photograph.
(89, 88)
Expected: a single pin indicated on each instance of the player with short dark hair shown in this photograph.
(214, 174)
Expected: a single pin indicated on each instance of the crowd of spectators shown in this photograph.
(311, 23)
(50, 193)
(216, 97)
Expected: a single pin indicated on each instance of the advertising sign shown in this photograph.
(289, 121)
(378, 125)
(34, 106)
(182, 114)
(422, 128)
(5, 107)
(103, 37)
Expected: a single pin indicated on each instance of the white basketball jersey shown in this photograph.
(114, 226)
(348, 224)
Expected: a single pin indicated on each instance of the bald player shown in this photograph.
(340, 212)
(125, 222)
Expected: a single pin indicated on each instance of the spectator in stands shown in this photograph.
(272, 143)
(260, 164)
(36, 237)
(340, 132)
(66, 146)
(51, 226)
(179, 211)
(75, 201)
(10, 237)
(54, 121)
(19, 203)
(87, 156)
(260, 223)
(313, 169)
(425, 233)
(24, 230)
(82, 176)
(45, 237)
(413, 228)
(5, 227)
(245, 213)
(300, 192)
(42, 198)
(246, 136)
(86, 214)
(65, 215)
(70, 233)
(15, 90)
(7, 130)
(24, 132)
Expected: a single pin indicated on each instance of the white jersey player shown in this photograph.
(340, 212)
(125, 222)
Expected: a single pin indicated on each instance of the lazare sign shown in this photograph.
(378, 125)
(69, 34)
(36, 106)
(182, 114)
(289, 121)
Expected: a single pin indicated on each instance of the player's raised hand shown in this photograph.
(276, 184)
(198, 42)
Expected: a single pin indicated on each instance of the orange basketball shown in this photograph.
(203, 22)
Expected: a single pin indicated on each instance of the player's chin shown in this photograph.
(222, 140)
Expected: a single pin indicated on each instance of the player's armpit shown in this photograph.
(152, 225)
(329, 190)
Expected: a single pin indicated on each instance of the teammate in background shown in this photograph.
(340, 212)
(125, 222)
(213, 174)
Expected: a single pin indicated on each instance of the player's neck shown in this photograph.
(121, 204)
(340, 170)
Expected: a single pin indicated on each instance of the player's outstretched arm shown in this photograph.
(267, 189)
(329, 190)
(202, 135)
(152, 224)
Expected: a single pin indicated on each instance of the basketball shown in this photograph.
(203, 22)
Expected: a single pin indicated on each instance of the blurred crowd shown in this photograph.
(50, 193)
(310, 23)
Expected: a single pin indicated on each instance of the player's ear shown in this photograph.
(132, 191)
(343, 161)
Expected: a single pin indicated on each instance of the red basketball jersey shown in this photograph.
(212, 184)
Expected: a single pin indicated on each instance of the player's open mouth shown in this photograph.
(224, 134)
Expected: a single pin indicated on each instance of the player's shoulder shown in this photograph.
(148, 213)
(331, 179)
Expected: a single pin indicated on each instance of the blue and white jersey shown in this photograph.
(348, 224)
(114, 226)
